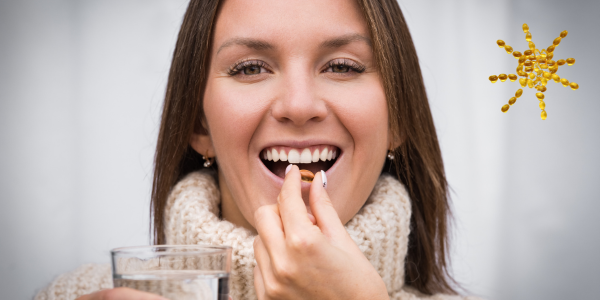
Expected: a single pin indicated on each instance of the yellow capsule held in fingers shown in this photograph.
(502, 77)
(564, 82)
(523, 82)
(512, 77)
(544, 115)
(528, 36)
(556, 41)
(540, 96)
(525, 27)
(493, 78)
(564, 34)
(570, 61)
(508, 49)
(542, 105)
(500, 43)
(512, 100)
(505, 108)
(574, 85)
(518, 93)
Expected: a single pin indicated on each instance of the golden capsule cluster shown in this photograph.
(536, 68)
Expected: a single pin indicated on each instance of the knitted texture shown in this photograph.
(380, 229)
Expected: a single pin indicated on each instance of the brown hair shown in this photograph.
(418, 162)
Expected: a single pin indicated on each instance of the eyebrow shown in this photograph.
(264, 45)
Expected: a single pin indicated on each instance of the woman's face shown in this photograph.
(288, 79)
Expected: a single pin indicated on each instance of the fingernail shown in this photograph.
(289, 167)
(324, 179)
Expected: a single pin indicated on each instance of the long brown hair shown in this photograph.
(418, 162)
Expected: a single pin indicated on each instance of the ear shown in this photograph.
(202, 143)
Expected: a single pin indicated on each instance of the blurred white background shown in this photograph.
(81, 89)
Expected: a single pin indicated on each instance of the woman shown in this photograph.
(259, 89)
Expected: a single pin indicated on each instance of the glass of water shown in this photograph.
(177, 272)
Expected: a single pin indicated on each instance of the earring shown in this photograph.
(208, 161)
(390, 155)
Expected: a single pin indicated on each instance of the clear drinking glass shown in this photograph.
(177, 272)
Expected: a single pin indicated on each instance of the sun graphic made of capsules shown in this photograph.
(537, 68)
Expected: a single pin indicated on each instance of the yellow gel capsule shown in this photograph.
(551, 63)
(528, 64)
(544, 115)
(542, 105)
(564, 82)
(505, 108)
(531, 76)
(522, 59)
(556, 41)
(543, 66)
(518, 93)
(543, 89)
(528, 36)
(532, 57)
(561, 62)
(508, 49)
(547, 75)
(512, 77)
(493, 78)
(570, 61)
(530, 83)
(512, 100)
(550, 49)
(528, 52)
(522, 74)
(529, 69)
(531, 46)
(564, 34)
(517, 54)
(519, 68)
(525, 27)
(550, 55)
(500, 43)
(555, 77)
(544, 81)
(540, 96)
(502, 77)
(574, 85)
(523, 81)
(537, 70)
(542, 59)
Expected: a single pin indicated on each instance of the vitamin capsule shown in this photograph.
(528, 36)
(532, 57)
(500, 43)
(522, 74)
(523, 81)
(519, 68)
(528, 64)
(508, 49)
(544, 81)
(493, 78)
(544, 115)
(512, 100)
(564, 34)
(550, 55)
(551, 63)
(553, 69)
(547, 75)
(528, 52)
(502, 77)
(531, 76)
(517, 54)
(564, 82)
(525, 27)
(540, 96)
(522, 59)
(550, 49)
(555, 77)
(542, 59)
(306, 176)
(574, 85)
(530, 83)
(556, 41)
(542, 105)
(529, 69)
(570, 61)
(518, 93)
(505, 108)
(512, 77)
(561, 62)
(531, 46)
(543, 89)
(543, 66)
(537, 70)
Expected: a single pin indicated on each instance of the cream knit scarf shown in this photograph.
(380, 229)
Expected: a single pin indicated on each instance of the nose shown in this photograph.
(298, 103)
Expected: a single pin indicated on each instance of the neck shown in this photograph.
(229, 210)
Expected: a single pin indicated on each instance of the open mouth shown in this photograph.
(314, 159)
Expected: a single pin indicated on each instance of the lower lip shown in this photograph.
(305, 185)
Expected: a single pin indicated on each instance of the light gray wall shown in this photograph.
(81, 85)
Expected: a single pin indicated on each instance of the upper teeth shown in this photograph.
(300, 156)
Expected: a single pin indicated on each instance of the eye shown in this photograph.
(344, 65)
(248, 68)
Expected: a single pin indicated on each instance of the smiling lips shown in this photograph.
(314, 158)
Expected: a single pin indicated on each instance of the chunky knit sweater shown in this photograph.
(380, 229)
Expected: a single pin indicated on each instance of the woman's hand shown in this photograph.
(121, 293)
(300, 257)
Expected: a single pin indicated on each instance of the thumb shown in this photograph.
(320, 205)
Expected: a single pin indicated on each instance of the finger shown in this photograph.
(262, 271)
(325, 214)
(121, 293)
(269, 227)
(291, 206)
(259, 285)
